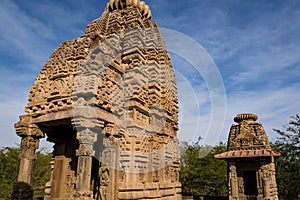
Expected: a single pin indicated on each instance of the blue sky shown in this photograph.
(254, 44)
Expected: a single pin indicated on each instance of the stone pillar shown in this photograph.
(266, 175)
(85, 152)
(28, 144)
(48, 184)
(30, 134)
(22, 189)
(233, 183)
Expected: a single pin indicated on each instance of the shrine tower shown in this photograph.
(251, 168)
(108, 102)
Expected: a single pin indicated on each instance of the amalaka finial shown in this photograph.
(122, 4)
(246, 116)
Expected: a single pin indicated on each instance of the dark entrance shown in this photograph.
(250, 184)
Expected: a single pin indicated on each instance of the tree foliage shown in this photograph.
(9, 169)
(288, 165)
(200, 172)
(41, 173)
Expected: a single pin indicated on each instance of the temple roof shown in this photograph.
(121, 4)
(247, 154)
(247, 139)
(247, 134)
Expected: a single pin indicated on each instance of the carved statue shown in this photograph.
(233, 182)
(104, 182)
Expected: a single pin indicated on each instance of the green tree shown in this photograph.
(288, 165)
(41, 173)
(200, 172)
(9, 168)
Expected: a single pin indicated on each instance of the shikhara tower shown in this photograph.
(108, 102)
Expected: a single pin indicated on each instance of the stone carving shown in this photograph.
(266, 186)
(48, 184)
(251, 160)
(233, 182)
(109, 94)
(25, 128)
(247, 134)
(104, 183)
(70, 180)
(27, 144)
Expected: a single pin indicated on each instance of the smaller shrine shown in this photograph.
(251, 168)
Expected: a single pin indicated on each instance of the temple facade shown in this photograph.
(251, 168)
(108, 102)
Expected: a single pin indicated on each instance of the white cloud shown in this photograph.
(22, 36)
(249, 46)
(273, 107)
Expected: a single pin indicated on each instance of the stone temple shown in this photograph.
(108, 102)
(251, 168)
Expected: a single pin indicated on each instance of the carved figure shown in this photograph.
(233, 181)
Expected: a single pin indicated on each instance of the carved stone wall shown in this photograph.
(108, 101)
(250, 159)
(247, 134)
